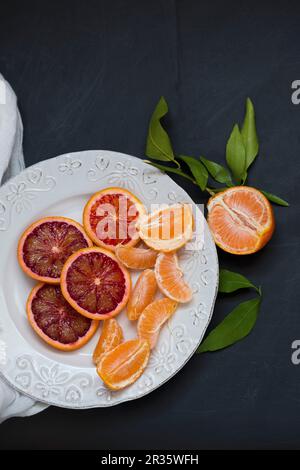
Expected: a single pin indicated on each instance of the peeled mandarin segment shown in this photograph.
(111, 336)
(55, 321)
(153, 318)
(95, 283)
(169, 278)
(167, 229)
(111, 216)
(241, 220)
(142, 295)
(136, 258)
(46, 245)
(124, 364)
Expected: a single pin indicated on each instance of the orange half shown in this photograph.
(241, 220)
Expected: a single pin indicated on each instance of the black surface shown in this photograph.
(87, 75)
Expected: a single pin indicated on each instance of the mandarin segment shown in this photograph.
(45, 246)
(241, 220)
(55, 321)
(124, 364)
(142, 294)
(153, 318)
(136, 258)
(111, 336)
(168, 228)
(170, 278)
(111, 217)
(95, 283)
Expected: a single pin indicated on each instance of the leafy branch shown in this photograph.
(238, 323)
(241, 150)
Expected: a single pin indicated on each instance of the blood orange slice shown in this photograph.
(111, 336)
(124, 364)
(111, 216)
(45, 246)
(95, 283)
(55, 321)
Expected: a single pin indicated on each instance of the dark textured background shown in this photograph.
(87, 75)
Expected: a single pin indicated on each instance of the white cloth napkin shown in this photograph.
(12, 403)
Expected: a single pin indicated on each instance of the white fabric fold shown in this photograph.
(12, 403)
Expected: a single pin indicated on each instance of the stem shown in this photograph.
(259, 291)
(210, 191)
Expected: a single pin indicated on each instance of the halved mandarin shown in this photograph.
(142, 294)
(110, 337)
(46, 245)
(168, 228)
(241, 220)
(95, 283)
(170, 278)
(124, 364)
(55, 321)
(111, 217)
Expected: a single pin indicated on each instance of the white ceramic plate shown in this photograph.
(61, 186)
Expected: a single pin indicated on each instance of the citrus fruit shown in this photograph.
(110, 217)
(136, 258)
(169, 278)
(142, 295)
(124, 364)
(55, 321)
(241, 220)
(47, 244)
(95, 283)
(168, 228)
(111, 336)
(153, 318)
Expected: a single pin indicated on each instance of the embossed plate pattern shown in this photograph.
(61, 186)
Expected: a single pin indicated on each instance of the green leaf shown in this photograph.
(275, 199)
(198, 170)
(169, 169)
(230, 281)
(158, 144)
(234, 327)
(249, 134)
(236, 155)
(218, 172)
